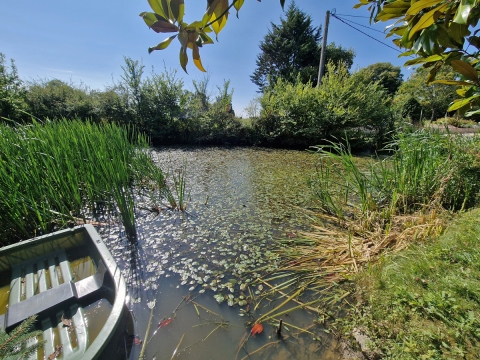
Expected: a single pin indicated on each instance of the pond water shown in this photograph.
(200, 268)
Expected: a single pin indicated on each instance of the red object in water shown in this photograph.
(164, 322)
(257, 329)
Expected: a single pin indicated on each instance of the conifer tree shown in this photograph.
(292, 49)
(13, 345)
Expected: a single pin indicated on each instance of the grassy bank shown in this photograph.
(416, 297)
(379, 205)
(424, 303)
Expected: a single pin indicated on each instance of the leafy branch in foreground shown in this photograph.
(434, 31)
(167, 17)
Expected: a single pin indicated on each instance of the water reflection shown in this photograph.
(239, 201)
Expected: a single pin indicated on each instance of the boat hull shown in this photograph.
(71, 282)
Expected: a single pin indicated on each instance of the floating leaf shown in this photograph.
(66, 322)
(151, 304)
(57, 353)
(256, 329)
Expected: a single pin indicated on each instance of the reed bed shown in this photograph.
(58, 173)
(384, 205)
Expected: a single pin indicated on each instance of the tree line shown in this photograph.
(366, 105)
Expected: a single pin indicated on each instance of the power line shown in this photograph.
(364, 33)
(358, 16)
(368, 27)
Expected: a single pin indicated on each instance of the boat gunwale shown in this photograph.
(90, 236)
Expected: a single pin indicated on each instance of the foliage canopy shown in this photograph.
(388, 75)
(291, 50)
(437, 33)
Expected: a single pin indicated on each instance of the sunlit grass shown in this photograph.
(383, 204)
(57, 173)
(424, 302)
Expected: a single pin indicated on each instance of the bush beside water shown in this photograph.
(159, 105)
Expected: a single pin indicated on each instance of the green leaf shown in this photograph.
(163, 26)
(474, 112)
(183, 59)
(238, 4)
(426, 20)
(163, 45)
(149, 18)
(458, 32)
(415, 61)
(205, 38)
(420, 5)
(463, 11)
(406, 53)
(178, 9)
(217, 9)
(452, 82)
(464, 68)
(459, 103)
(396, 7)
(196, 58)
(156, 6)
(282, 2)
(475, 41)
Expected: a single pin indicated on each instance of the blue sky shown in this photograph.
(85, 41)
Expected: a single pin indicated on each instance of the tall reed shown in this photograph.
(425, 168)
(177, 199)
(53, 173)
(385, 204)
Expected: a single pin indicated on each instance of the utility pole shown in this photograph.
(321, 67)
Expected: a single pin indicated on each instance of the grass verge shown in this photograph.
(423, 303)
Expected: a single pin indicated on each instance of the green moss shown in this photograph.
(423, 303)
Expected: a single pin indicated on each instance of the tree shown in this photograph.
(292, 49)
(12, 91)
(434, 31)
(56, 99)
(387, 75)
(434, 99)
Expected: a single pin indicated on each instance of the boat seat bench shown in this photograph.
(30, 295)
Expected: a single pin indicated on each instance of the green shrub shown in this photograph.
(55, 99)
(412, 110)
(343, 105)
(12, 91)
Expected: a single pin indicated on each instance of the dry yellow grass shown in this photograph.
(333, 253)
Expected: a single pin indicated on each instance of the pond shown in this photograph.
(198, 270)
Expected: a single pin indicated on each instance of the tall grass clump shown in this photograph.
(177, 199)
(424, 169)
(61, 172)
(384, 203)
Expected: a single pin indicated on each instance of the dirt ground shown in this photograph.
(454, 130)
